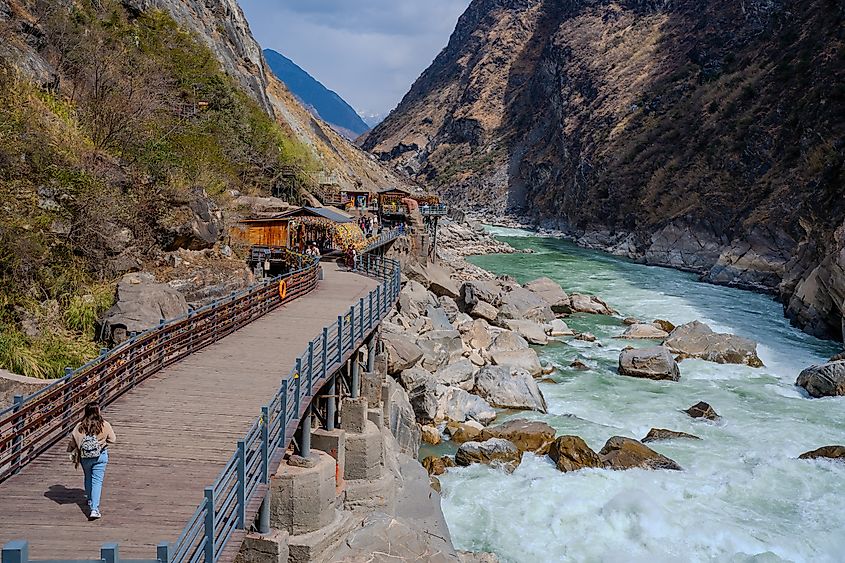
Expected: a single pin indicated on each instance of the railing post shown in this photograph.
(283, 431)
(311, 368)
(109, 553)
(17, 442)
(265, 444)
(339, 338)
(241, 485)
(378, 301)
(360, 319)
(163, 552)
(370, 313)
(298, 378)
(352, 327)
(209, 525)
(325, 368)
(16, 551)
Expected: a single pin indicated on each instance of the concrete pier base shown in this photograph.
(376, 416)
(319, 545)
(333, 442)
(377, 493)
(371, 388)
(302, 499)
(354, 414)
(272, 548)
(364, 454)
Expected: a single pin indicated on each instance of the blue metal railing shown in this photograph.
(223, 509)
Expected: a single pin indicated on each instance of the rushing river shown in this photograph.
(743, 495)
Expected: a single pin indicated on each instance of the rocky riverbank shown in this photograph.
(462, 344)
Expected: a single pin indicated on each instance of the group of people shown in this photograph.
(369, 225)
(313, 250)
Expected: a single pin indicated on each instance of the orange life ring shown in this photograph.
(283, 289)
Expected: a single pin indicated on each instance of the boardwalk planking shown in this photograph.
(175, 433)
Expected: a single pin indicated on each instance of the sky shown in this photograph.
(368, 51)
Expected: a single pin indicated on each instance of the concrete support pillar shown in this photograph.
(302, 499)
(356, 376)
(304, 435)
(331, 404)
(264, 515)
(371, 353)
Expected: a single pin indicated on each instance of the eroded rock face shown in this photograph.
(757, 260)
(829, 452)
(702, 410)
(517, 303)
(460, 432)
(626, 453)
(686, 245)
(659, 434)
(649, 363)
(550, 291)
(401, 419)
(527, 435)
(194, 224)
(140, 304)
(827, 380)
(697, 340)
(461, 374)
(509, 388)
(571, 453)
(495, 451)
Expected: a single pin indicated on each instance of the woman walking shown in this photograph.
(88, 445)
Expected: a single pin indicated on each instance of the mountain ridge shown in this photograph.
(696, 135)
(327, 104)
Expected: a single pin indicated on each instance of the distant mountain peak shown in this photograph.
(325, 103)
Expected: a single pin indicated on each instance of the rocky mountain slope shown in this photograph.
(325, 103)
(132, 133)
(700, 135)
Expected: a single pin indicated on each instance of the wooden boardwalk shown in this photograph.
(175, 433)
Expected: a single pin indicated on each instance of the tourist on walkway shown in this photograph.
(88, 446)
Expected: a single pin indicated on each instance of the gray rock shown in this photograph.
(589, 304)
(460, 373)
(649, 363)
(825, 452)
(532, 332)
(516, 302)
(644, 331)
(474, 291)
(450, 307)
(496, 452)
(401, 419)
(527, 435)
(559, 328)
(827, 380)
(476, 334)
(550, 291)
(439, 319)
(140, 305)
(660, 434)
(483, 310)
(508, 341)
(415, 376)
(697, 340)
(402, 352)
(519, 359)
(626, 453)
(454, 403)
(439, 348)
(414, 299)
(687, 245)
(194, 224)
(702, 410)
(509, 388)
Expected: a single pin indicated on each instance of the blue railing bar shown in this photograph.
(241, 483)
(192, 541)
(265, 445)
(202, 548)
(195, 519)
(209, 524)
(230, 504)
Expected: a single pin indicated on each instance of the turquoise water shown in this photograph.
(743, 495)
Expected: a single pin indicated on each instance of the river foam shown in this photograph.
(743, 495)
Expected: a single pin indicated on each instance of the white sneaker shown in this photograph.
(95, 514)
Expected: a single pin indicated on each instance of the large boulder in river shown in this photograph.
(532, 332)
(141, 304)
(495, 452)
(697, 340)
(526, 359)
(571, 453)
(626, 453)
(460, 432)
(402, 352)
(828, 452)
(644, 331)
(559, 328)
(550, 291)
(702, 410)
(649, 363)
(509, 388)
(660, 434)
(516, 302)
(453, 403)
(527, 435)
(827, 380)
(589, 304)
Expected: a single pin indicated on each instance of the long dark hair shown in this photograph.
(92, 422)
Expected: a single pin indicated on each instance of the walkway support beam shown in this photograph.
(331, 405)
(305, 434)
(356, 376)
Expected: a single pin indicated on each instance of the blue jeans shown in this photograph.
(95, 473)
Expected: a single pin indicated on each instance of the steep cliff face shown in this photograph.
(701, 135)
